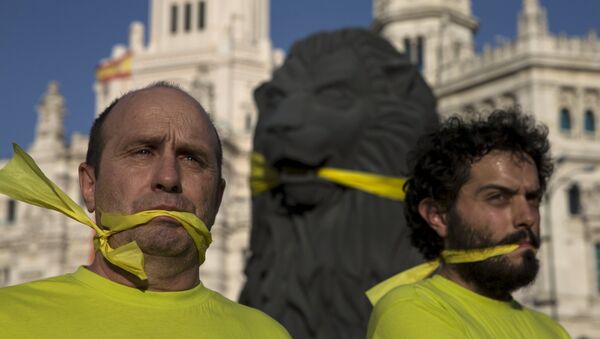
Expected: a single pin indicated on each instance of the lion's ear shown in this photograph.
(400, 74)
(260, 96)
(435, 216)
(406, 83)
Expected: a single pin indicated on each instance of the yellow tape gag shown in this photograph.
(264, 178)
(422, 271)
(130, 257)
(22, 179)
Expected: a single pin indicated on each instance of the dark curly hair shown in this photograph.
(442, 160)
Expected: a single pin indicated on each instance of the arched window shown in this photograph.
(574, 200)
(408, 49)
(173, 19)
(4, 276)
(187, 17)
(201, 15)
(598, 266)
(11, 211)
(414, 50)
(565, 120)
(589, 122)
(420, 53)
(248, 122)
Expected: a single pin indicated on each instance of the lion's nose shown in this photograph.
(288, 116)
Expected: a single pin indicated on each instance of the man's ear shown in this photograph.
(219, 198)
(217, 202)
(435, 216)
(222, 185)
(87, 185)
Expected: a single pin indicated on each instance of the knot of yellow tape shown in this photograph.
(264, 178)
(422, 271)
(22, 179)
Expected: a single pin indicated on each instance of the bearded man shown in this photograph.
(473, 204)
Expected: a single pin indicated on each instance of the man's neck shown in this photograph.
(164, 274)
(448, 273)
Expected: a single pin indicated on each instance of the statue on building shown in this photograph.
(344, 105)
(49, 143)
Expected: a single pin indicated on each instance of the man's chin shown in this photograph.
(499, 277)
(163, 238)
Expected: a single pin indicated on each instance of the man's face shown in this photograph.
(159, 153)
(498, 205)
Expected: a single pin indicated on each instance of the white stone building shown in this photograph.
(37, 243)
(555, 78)
(220, 50)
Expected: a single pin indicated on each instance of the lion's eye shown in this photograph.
(274, 97)
(336, 95)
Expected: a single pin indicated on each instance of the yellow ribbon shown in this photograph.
(22, 179)
(264, 178)
(422, 271)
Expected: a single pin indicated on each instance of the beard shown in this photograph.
(496, 277)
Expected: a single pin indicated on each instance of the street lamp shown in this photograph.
(550, 190)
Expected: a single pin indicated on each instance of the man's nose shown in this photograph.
(167, 177)
(526, 213)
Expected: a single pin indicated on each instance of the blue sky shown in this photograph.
(44, 40)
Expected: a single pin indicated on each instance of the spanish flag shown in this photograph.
(113, 69)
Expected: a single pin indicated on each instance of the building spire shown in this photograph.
(50, 130)
(531, 6)
(533, 21)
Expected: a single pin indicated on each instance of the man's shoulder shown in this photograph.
(437, 308)
(413, 301)
(46, 286)
(544, 322)
(254, 319)
(221, 304)
(418, 293)
(28, 302)
(415, 311)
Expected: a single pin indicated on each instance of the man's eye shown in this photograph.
(497, 197)
(535, 200)
(190, 158)
(193, 160)
(142, 151)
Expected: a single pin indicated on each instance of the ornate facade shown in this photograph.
(38, 243)
(218, 51)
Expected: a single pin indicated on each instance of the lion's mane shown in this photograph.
(310, 269)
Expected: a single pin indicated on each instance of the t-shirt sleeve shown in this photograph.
(258, 325)
(276, 331)
(403, 316)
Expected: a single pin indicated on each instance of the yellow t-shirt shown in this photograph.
(439, 308)
(85, 305)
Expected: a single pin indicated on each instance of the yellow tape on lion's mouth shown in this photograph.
(264, 178)
(22, 179)
(422, 271)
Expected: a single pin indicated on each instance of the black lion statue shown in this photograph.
(344, 100)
